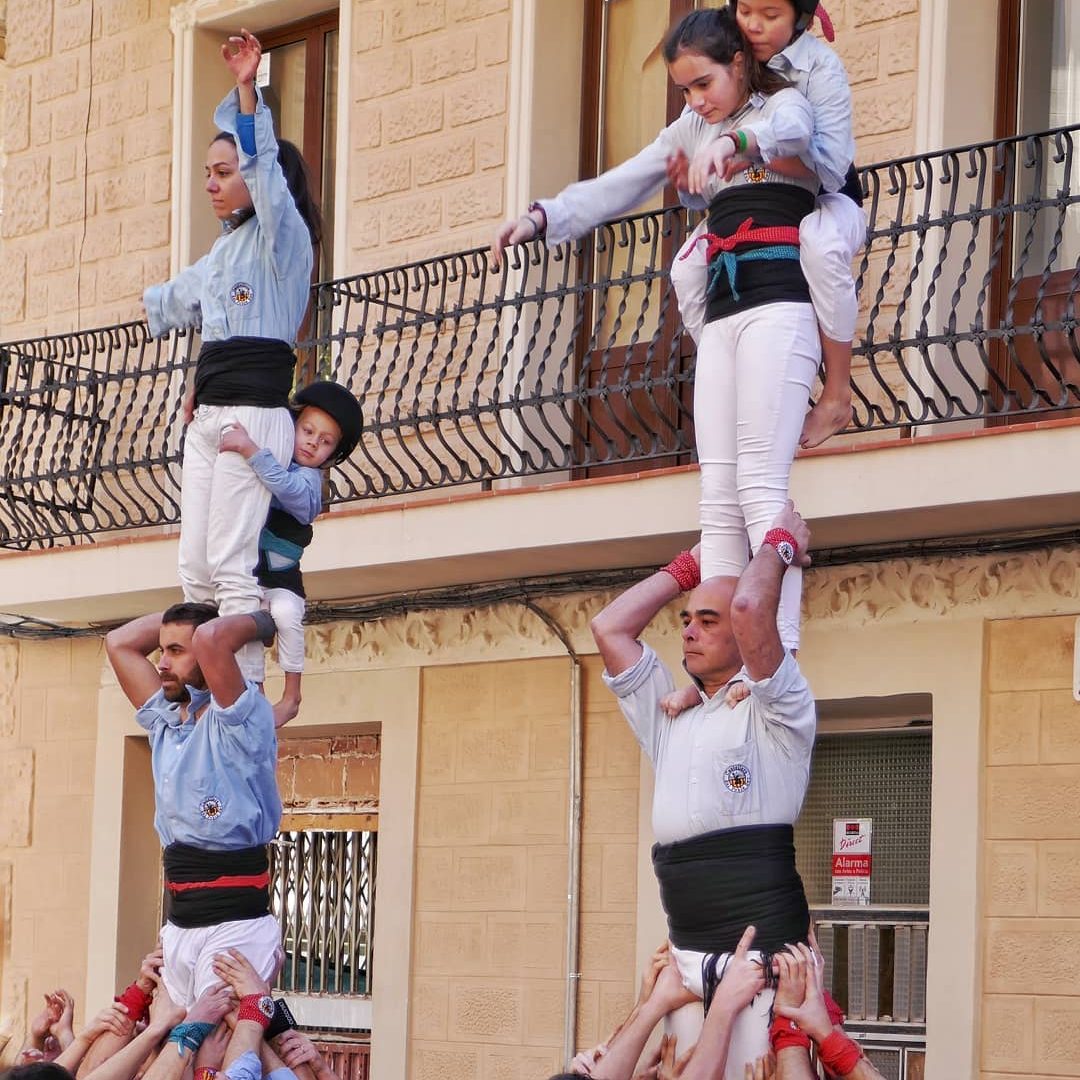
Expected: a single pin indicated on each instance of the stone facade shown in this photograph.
(1030, 1000)
(48, 725)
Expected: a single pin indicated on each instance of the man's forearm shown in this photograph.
(709, 1059)
(625, 1047)
(125, 1062)
(619, 625)
(141, 635)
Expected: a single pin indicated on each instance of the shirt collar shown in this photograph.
(796, 55)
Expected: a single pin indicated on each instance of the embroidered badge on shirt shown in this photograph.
(757, 174)
(737, 778)
(242, 293)
(211, 807)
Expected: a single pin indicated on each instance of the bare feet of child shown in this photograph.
(289, 705)
(828, 417)
(679, 700)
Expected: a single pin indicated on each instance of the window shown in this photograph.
(1038, 90)
(298, 79)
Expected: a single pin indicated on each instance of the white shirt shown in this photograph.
(819, 74)
(719, 768)
(786, 117)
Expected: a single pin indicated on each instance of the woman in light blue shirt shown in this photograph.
(247, 297)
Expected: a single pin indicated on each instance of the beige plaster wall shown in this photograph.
(48, 723)
(1030, 996)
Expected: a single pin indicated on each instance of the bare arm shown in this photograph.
(743, 979)
(215, 644)
(753, 608)
(626, 1045)
(301, 1055)
(793, 1063)
(113, 1018)
(617, 628)
(129, 647)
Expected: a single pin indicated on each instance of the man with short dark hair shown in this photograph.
(214, 757)
(730, 780)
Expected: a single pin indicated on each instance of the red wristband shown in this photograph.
(254, 1007)
(784, 1033)
(776, 537)
(836, 1014)
(137, 1003)
(839, 1054)
(685, 570)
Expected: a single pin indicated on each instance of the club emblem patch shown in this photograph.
(737, 778)
(210, 807)
(757, 174)
(242, 293)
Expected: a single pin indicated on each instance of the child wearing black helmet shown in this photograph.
(328, 427)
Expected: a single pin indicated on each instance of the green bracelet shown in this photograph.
(742, 141)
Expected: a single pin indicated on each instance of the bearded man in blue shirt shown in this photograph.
(214, 758)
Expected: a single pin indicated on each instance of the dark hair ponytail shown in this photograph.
(714, 33)
(298, 179)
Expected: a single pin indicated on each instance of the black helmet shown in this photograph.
(341, 406)
(805, 10)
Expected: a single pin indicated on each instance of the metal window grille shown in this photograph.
(322, 890)
(348, 1059)
(875, 958)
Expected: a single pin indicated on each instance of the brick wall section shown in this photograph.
(86, 130)
(48, 729)
(1030, 996)
(340, 772)
(428, 127)
(488, 963)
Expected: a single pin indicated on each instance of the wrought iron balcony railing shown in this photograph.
(570, 362)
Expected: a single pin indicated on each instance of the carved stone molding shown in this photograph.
(1045, 581)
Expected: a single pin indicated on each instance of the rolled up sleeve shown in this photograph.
(639, 689)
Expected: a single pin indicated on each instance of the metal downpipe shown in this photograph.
(573, 886)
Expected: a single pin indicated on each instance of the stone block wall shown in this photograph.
(1030, 994)
(86, 134)
(48, 728)
(322, 773)
(427, 127)
(491, 870)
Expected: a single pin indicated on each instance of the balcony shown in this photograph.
(569, 365)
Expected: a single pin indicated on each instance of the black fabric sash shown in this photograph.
(771, 280)
(715, 885)
(245, 371)
(204, 888)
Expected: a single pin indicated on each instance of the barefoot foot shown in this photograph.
(826, 418)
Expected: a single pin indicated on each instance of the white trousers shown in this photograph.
(223, 507)
(749, 1033)
(189, 953)
(829, 238)
(288, 611)
(754, 371)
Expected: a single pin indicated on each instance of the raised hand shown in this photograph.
(242, 53)
(212, 1004)
(61, 1029)
(235, 969)
(743, 978)
(707, 161)
(150, 970)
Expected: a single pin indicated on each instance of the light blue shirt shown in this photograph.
(297, 490)
(215, 778)
(246, 1067)
(255, 280)
(819, 75)
(787, 115)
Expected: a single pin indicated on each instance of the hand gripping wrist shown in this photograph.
(136, 1001)
(684, 569)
